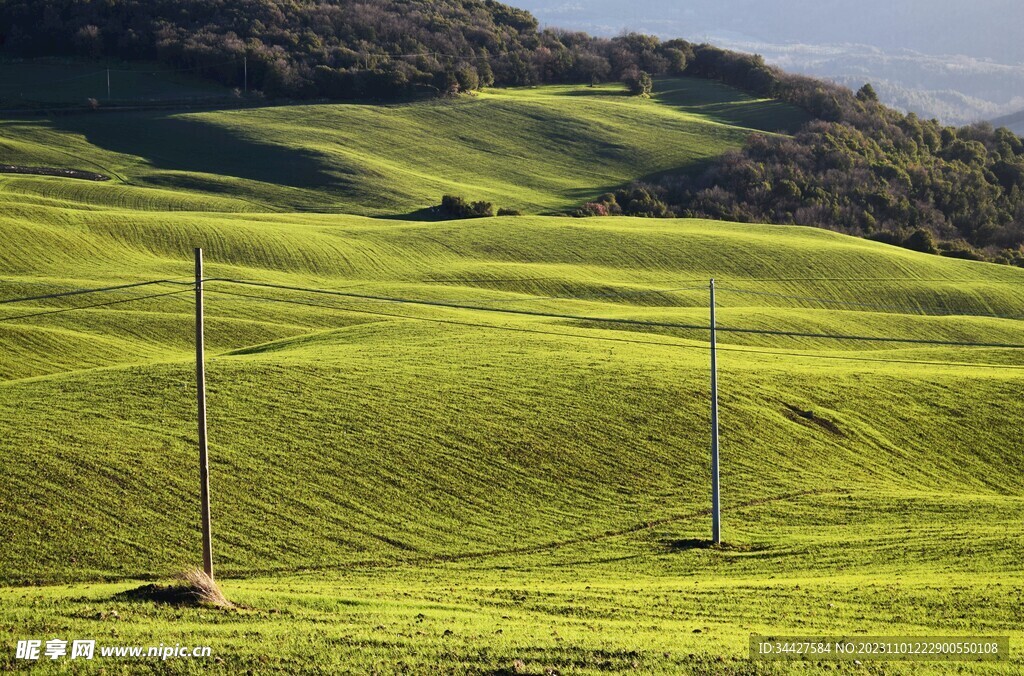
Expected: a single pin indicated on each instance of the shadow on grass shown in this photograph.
(194, 589)
(426, 214)
(172, 595)
(581, 196)
(691, 544)
(728, 105)
(178, 143)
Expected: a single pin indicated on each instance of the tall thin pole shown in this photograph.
(716, 504)
(245, 76)
(108, 84)
(204, 464)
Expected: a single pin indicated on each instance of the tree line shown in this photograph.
(858, 167)
(337, 49)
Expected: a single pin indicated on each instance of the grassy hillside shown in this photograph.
(540, 150)
(495, 428)
(546, 425)
(383, 434)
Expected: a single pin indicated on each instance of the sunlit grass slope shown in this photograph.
(474, 422)
(540, 150)
(494, 445)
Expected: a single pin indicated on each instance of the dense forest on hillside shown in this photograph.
(859, 167)
(333, 48)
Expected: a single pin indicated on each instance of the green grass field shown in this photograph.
(491, 454)
(540, 150)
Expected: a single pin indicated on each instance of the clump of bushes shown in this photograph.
(605, 205)
(1010, 256)
(454, 206)
(874, 173)
(634, 201)
(638, 82)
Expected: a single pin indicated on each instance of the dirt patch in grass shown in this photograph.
(194, 588)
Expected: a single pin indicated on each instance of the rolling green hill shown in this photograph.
(542, 150)
(492, 425)
(546, 424)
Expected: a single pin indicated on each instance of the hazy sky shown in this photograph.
(982, 28)
(955, 60)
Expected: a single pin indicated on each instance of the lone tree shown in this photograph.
(638, 82)
(458, 207)
(867, 93)
(921, 240)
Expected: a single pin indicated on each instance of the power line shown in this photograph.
(448, 304)
(877, 360)
(875, 339)
(864, 280)
(924, 311)
(933, 312)
(94, 305)
(456, 322)
(79, 292)
(634, 341)
(617, 320)
(611, 294)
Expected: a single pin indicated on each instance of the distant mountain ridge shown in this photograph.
(955, 61)
(1015, 122)
(986, 29)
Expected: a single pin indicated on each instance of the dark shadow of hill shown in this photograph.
(693, 168)
(727, 105)
(426, 214)
(176, 143)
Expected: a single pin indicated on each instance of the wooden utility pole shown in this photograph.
(716, 503)
(204, 464)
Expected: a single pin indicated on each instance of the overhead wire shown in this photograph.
(445, 304)
(703, 348)
(589, 296)
(79, 292)
(94, 305)
(456, 322)
(928, 311)
(620, 320)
